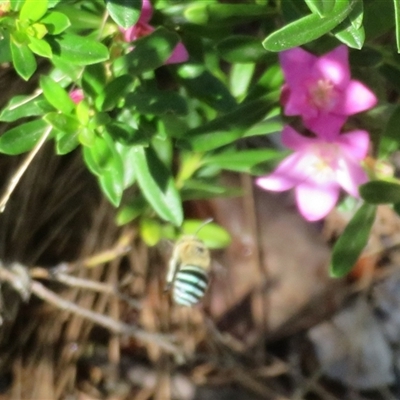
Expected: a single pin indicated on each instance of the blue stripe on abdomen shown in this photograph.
(190, 285)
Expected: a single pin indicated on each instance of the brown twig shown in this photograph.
(12, 184)
(81, 283)
(117, 327)
(112, 325)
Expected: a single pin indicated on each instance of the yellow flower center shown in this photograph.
(323, 94)
(324, 160)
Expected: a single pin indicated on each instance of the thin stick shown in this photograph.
(21, 169)
(112, 325)
(95, 286)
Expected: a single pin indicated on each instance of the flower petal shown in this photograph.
(289, 173)
(350, 175)
(334, 66)
(178, 55)
(293, 140)
(356, 98)
(136, 31)
(297, 103)
(147, 11)
(296, 64)
(355, 144)
(314, 200)
(326, 126)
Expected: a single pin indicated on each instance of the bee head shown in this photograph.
(193, 250)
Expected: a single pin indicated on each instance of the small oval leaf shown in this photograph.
(79, 50)
(33, 10)
(56, 95)
(157, 185)
(23, 59)
(22, 138)
(308, 28)
(212, 234)
(124, 12)
(351, 243)
(380, 192)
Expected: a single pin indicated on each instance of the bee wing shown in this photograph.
(172, 270)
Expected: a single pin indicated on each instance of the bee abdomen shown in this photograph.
(190, 285)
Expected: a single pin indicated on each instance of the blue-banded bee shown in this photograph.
(188, 270)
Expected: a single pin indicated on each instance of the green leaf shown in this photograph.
(150, 231)
(80, 18)
(40, 47)
(271, 124)
(63, 123)
(124, 12)
(158, 185)
(113, 92)
(111, 183)
(157, 102)
(205, 86)
(241, 161)
(195, 189)
(242, 49)
(396, 208)
(321, 7)
(23, 59)
(5, 50)
(33, 10)
(349, 35)
(380, 192)
(212, 234)
(83, 112)
(53, 3)
(204, 13)
(22, 138)
(270, 80)
(56, 95)
(132, 210)
(397, 19)
(351, 243)
(16, 4)
(55, 22)
(20, 107)
(66, 142)
(150, 52)
(87, 137)
(228, 128)
(356, 15)
(350, 31)
(94, 79)
(125, 134)
(240, 78)
(69, 71)
(103, 159)
(125, 153)
(97, 157)
(77, 49)
(307, 28)
(378, 18)
(390, 140)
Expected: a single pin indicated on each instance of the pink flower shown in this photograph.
(321, 90)
(318, 169)
(142, 28)
(76, 95)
